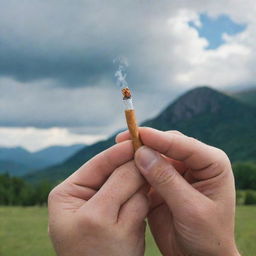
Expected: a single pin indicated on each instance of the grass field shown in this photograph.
(23, 231)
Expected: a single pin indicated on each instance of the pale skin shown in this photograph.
(101, 208)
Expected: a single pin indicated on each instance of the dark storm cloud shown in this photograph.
(68, 70)
(75, 43)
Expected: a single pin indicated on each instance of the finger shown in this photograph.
(135, 210)
(96, 171)
(155, 199)
(125, 135)
(172, 187)
(162, 227)
(118, 189)
(179, 166)
(122, 136)
(176, 132)
(75, 191)
(68, 197)
(195, 154)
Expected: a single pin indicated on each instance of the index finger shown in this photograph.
(95, 172)
(179, 166)
(194, 153)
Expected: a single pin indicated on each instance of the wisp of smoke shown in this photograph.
(121, 74)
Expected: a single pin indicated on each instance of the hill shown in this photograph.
(247, 96)
(21, 156)
(204, 113)
(13, 168)
(214, 118)
(57, 154)
(18, 161)
(59, 172)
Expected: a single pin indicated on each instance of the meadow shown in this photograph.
(23, 231)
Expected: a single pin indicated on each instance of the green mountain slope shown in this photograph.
(203, 113)
(213, 118)
(247, 96)
(60, 172)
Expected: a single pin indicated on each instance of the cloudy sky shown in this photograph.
(57, 82)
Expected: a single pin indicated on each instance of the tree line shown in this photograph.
(16, 191)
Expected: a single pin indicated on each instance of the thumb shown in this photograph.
(161, 175)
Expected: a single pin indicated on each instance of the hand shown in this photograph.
(100, 209)
(193, 196)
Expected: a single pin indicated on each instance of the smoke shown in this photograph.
(121, 72)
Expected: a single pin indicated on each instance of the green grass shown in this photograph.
(246, 230)
(23, 231)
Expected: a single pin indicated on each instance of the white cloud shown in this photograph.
(43, 104)
(34, 139)
(228, 65)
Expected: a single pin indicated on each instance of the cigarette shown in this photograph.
(131, 118)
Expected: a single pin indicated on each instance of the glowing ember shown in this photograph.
(126, 93)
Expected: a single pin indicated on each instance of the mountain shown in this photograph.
(57, 154)
(18, 161)
(247, 96)
(214, 118)
(13, 168)
(21, 156)
(204, 113)
(59, 172)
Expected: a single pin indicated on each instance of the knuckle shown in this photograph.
(194, 141)
(175, 132)
(128, 170)
(54, 194)
(222, 158)
(222, 155)
(164, 175)
(90, 220)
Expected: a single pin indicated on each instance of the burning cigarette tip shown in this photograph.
(126, 93)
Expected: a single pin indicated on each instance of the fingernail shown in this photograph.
(145, 158)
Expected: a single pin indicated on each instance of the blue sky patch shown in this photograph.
(213, 28)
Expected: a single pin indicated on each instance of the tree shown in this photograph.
(15, 191)
(245, 175)
(250, 197)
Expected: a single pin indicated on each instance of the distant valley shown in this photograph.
(18, 161)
